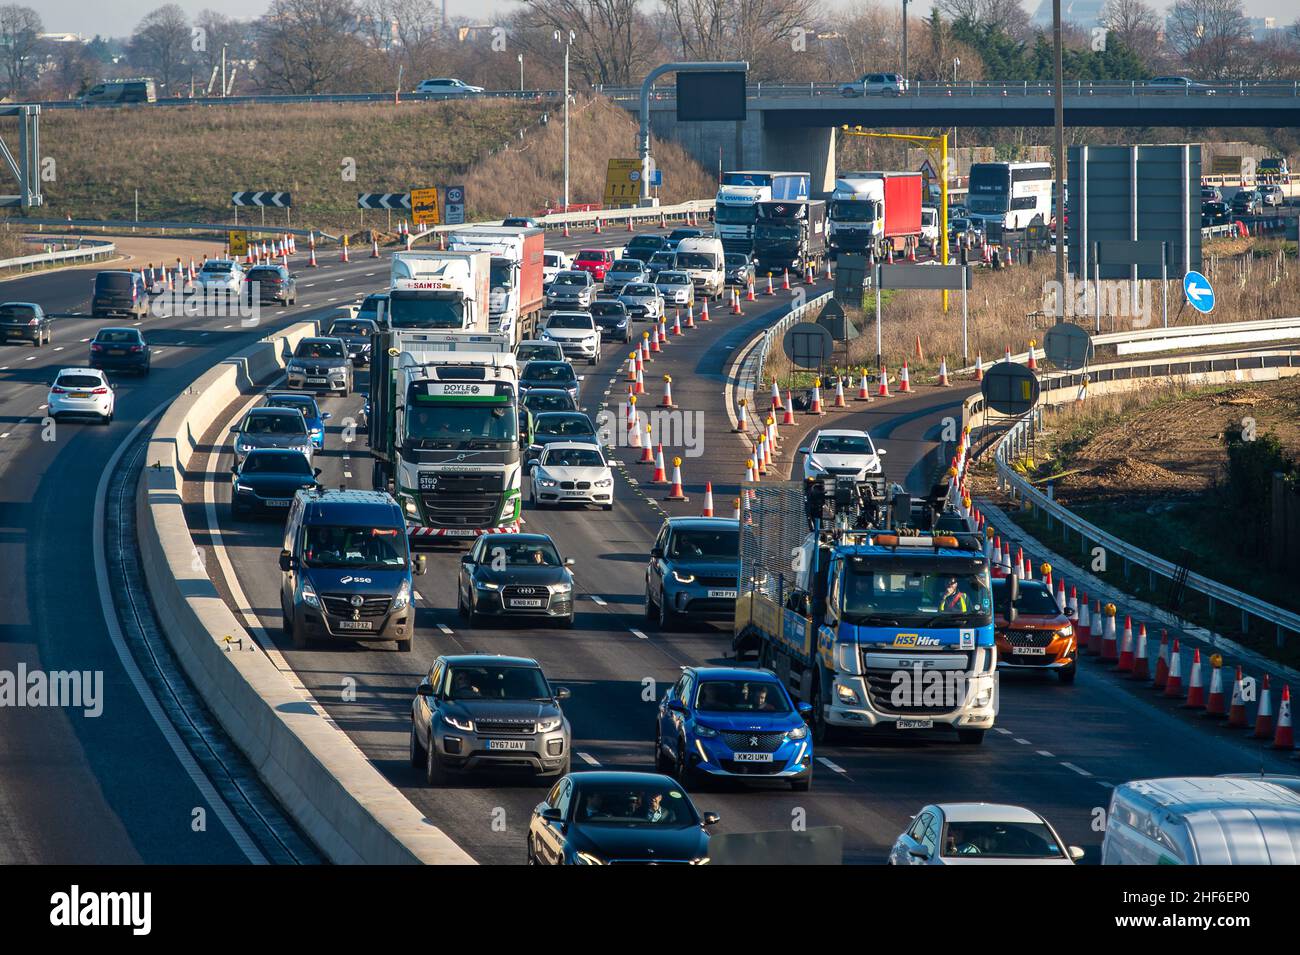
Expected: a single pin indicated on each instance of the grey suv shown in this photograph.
(321, 364)
(486, 712)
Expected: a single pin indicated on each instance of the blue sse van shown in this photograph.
(347, 569)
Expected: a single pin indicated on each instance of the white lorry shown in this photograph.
(447, 291)
(516, 293)
(733, 215)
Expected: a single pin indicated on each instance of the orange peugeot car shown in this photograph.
(1038, 636)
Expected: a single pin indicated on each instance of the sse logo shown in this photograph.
(914, 640)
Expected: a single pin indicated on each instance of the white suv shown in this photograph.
(576, 334)
(81, 392)
(876, 84)
(448, 86)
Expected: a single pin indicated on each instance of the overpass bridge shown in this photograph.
(793, 126)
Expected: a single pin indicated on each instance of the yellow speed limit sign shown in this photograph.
(622, 182)
(424, 206)
(238, 242)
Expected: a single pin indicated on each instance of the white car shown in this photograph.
(876, 84)
(81, 393)
(839, 452)
(676, 287)
(448, 86)
(576, 334)
(981, 833)
(572, 472)
(553, 263)
(221, 275)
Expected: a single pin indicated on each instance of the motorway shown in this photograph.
(75, 791)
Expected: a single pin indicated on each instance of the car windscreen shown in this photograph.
(650, 804)
(526, 353)
(555, 401)
(573, 458)
(520, 553)
(335, 545)
(305, 404)
(487, 681)
(277, 462)
(556, 371)
(17, 313)
(639, 289)
(274, 424)
(627, 265)
(1002, 840)
(842, 444)
(216, 267)
(565, 424)
(701, 543)
(568, 278)
(608, 309)
(111, 336)
(741, 696)
(1034, 599)
(78, 381)
(319, 350)
(591, 257)
(736, 260)
(674, 278)
(569, 321)
(265, 275)
(352, 328)
(663, 258)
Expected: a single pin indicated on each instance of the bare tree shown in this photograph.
(161, 43)
(739, 29)
(218, 31)
(1006, 15)
(611, 47)
(1209, 34)
(310, 46)
(972, 10)
(20, 30)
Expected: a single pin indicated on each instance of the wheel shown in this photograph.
(347, 390)
(661, 764)
(531, 858)
(822, 731)
(593, 359)
(970, 737)
(417, 751)
(682, 771)
(666, 619)
(471, 618)
(460, 603)
(607, 507)
(649, 609)
(1066, 676)
(435, 774)
(107, 419)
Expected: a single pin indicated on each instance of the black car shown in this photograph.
(612, 319)
(272, 283)
(538, 400)
(659, 262)
(551, 426)
(475, 711)
(25, 321)
(121, 348)
(356, 333)
(605, 817)
(515, 575)
(676, 236)
(521, 222)
(550, 374)
(643, 246)
(375, 308)
(267, 480)
(1215, 213)
(119, 292)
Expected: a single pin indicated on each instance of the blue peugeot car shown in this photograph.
(735, 723)
(310, 411)
(693, 571)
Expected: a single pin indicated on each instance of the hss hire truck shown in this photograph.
(516, 297)
(439, 290)
(789, 235)
(444, 430)
(872, 606)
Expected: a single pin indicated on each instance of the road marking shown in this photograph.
(1071, 766)
(597, 601)
(309, 285)
(638, 633)
(59, 348)
(202, 334)
(84, 340)
(6, 434)
(445, 629)
(417, 595)
(1043, 752)
(1102, 782)
(831, 766)
(347, 474)
(1022, 742)
(227, 326)
(1004, 732)
(589, 759)
(30, 358)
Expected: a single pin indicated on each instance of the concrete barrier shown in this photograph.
(321, 778)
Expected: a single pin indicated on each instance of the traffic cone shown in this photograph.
(704, 310)
(676, 493)
(707, 509)
(1264, 713)
(816, 408)
(979, 367)
(1060, 594)
(904, 384)
(882, 389)
(1018, 565)
(1215, 705)
(1174, 681)
(1044, 568)
(735, 508)
(862, 386)
(810, 276)
(749, 294)
(788, 417)
(1162, 661)
(943, 373)
(1029, 568)
(661, 473)
(1073, 602)
(785, 280)
(1284, 738)
(663, 331)
(770, 289)
(1033, 363)
(629, 224)
(667, 400)
(311, 262)
(634, 430)
(760, 455)
(597, 225)
(1125, 664)
(776, 396)
(690, 317)
(374, 246)
(654, 339)
(1109, 650)
(741, 425)
(1084, 626)
(1237, 708)
(735, 303)
(1007, 356)
(631, 367)
(828, 270)
(645, 350)
(839, 393)
(648, 451)
(751, 473)
(1141, 665)
(566, 230)
(1195, 688)
(344, 257)
(677, 324)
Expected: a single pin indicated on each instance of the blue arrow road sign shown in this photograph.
(1199, 291)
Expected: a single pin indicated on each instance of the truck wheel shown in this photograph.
(970, 737)
(823, 732)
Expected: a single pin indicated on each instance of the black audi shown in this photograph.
(608, 818)
(515, 575)
(267, 480)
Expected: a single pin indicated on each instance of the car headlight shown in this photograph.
(486, 585)
(403, 596)
(1066, 631)
(603, 482)
(465, 726)
(586, 858)
(799, 732)
(683, 578)
(546, 481)
(815, 465)
(550, 725)
(563, 587)
(708, 732)
(245, 447)
(983, 697)
(308, 596)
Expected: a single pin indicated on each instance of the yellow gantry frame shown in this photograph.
(929, 142)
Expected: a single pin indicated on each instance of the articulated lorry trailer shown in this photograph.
(871, 605)
(874, 212)
(515, 296)
(439, 290)
(444, 430)
(789, 235)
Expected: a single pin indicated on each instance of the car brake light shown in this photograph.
(100, 391)
(56, 390)
(95, 346)
(33, 321)
(136, 348)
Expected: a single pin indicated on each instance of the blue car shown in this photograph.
(693, 571)
(311, 413)
(735, 723)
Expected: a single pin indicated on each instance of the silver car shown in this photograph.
(676, 288)
(571, 289)
(283, 428)
(321, 364)
(221, 275)
(643, 301)
(624, 271)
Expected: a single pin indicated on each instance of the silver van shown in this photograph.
(1202, 820)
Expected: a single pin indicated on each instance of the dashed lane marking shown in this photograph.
(1103, 783)
(1022, 742)
(1043, 752)
(637, 633)
(597, 600)
(1004, 732)
(831, 766)
(445, 629)
(589, 759)
(1074, 768)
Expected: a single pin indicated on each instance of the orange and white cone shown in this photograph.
(1284, 738)
(661, 472)
(634, 430)
(735, 303)
(776, 396)
(631, 367)
(690, 317)
(704, 310)
(654, 339)
(1195, 688)
(904, 384)
(311, 262)
(663, 330)
(1084, 626)
(667, 400)
(597, 225)
(788, 416)
(1109, 649)
(751, 473)
(1264, 714)
(839, 393)
(816, 408)
(1033, 362)
(770, 289)
(760, 455)
(374, 247)
(677, 323)
(943, 373)
(629, 224)
(1141, 663)
(676, 493)
(707, 509)
(862, 386)
(785, 280)
(741, 424)
(1237, 707)
(1215, 704)
(1072, 602)
(749, 294)
(1174, 682)
(882, 389)
(735, 508)
(828, 270)
(640, 381)
(648, 451)
(979, 367)
(1125, 664)
(1061, 602)
(344, 256)
(1162, 661)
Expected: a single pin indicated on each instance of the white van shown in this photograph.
(704, 260)
(930, 227)
(1202, 820)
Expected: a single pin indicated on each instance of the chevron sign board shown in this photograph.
(384, 200)
(278, 200)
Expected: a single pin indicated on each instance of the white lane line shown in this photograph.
(637, 633)
(309, 285)
(831, 766)
(30, 358)
(60, 348)
(588, 759)
(6, 434)
(1102, 782)
(445, 629)
(1071, 766)
(597, 600)
(1004, 732)
(1022, 742)
(1043, 752)
(201, 334)
(417, 595)
(84, 340)
(227, 326)
(347, 474)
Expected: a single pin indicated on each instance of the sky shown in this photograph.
(119, 17)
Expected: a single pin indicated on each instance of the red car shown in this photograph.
(595, 261)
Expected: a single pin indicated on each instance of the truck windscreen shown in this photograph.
(426, 310)
(442, 422)
(853, 210)
(894, 595)
(776, 233)
(729, 214)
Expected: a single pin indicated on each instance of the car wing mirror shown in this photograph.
(234, 468)
(881, 451)
(562, 693)
(677, 706)
(1076, 853)
(551, 814)
(315, 472)
(326, 416)
(919, 853)
(424, 689)
(569, 562)
(467, 560)
(712, 818)
(657, 553)
(286, 561)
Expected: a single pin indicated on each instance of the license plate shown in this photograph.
(428, 482)
(1029, 651)
(356, 625)
(277, 502)
(723, 593)
(507, 744)
(752, 757)
(80, 394)
(117, 351)
(316, 381)
(914, 724)
(525, 603)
